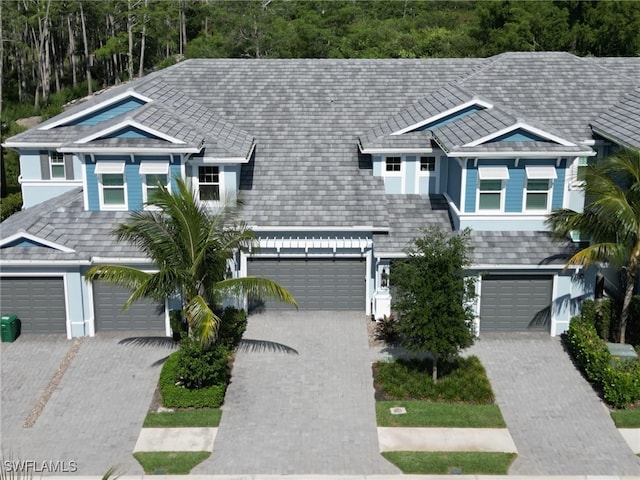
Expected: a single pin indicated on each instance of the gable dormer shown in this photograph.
(25, 239)
(101, 111)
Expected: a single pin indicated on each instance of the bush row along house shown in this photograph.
(340, 163)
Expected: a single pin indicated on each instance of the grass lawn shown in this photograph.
(462, 381)
(627, 418)
(170, 462)
(428, 414)
(199, 417)
(442, 462)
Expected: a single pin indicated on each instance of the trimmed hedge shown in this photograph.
(177, 396)
(620, 382)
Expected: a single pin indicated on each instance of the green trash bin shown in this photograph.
(9, 328)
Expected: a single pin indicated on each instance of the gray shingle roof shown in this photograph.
(622, 122)
(305, 118)
(519, 248)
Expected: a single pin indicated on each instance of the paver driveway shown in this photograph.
(557, 422)
(301, 399)
(94, 415)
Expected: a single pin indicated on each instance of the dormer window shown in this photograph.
(209, 183)
(427, 164)
(113, 188)
(538, 187)
(491, 187)
(56, 165)
(393, 164)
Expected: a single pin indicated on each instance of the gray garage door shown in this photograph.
(512, 303)
(38, 302)
(108, 300)
(317, 284)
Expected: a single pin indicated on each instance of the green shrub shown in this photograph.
(589, 351)
(10, 205)
(621, 384)
(202, 366)
(601, 315)
(463, 380)
(232, 327)
(387, 330)
(177, 396)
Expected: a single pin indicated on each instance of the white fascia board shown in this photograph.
(444, 114)
(119, 260)
(128, 150)
(521, 154)
(130, 123)
(396, 151)
(381, 255)
(95, 108)
(493, 266)
(43, 263)
(217, 161)
(355, 228)
(47, 145)
(33, 238)
(523, 126)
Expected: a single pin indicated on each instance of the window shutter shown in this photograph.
(68, 166)
(44, 165)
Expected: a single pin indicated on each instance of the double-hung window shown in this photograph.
(393, 164)
(537, 195)
(56, 163)
(154, 174)
(491, 186)
(427, 164)
(209, 183)
(113, 188)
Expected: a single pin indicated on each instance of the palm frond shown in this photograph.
(256, 287)
(121, 275)
(203, 322)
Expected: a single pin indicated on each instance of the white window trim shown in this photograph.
(104, 206)
(145, 194)
(53, 153)
(392, 173)
(503, 191)
(428, 173)
(196, 183)
(548, 192)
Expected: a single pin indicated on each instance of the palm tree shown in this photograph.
(190, 246)
(610, 220)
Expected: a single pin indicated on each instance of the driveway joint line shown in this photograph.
(37, 409)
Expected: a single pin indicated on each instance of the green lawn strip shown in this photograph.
(626, 418)
(487, 463)
(170, 462)
(429, 414)
(199, 417)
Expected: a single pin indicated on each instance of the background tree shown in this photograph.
(190, 247)
(610, 220)
(432, 296)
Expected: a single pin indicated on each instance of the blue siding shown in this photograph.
(450, 118)
(134, 185)
(410, 174)
(393, 184)
(152, 158)
(454, 181)
(131, 132)
(432, 184)
(519, 135)
(424, 185)
(175, 173)
(118, 108)
(558, 186)
(472, 186)
(24, 242)
(377, 166)
(93, 195)
(30, 165)
(514, 189)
